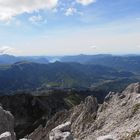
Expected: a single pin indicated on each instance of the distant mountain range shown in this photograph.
(98, 72)
(10, 59)
(28, 75)
(125, 62)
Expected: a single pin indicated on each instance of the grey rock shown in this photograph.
(109, 96)
(6, 136)
(107, 137)
(133, 88)
(61, 132)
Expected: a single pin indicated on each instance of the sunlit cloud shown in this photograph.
(35, 19)
(85, 2)
(11, 8)
(8, 50)
(70, 11)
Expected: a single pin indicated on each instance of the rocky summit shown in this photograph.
(118, 118)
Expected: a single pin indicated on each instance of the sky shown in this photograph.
(69, 27)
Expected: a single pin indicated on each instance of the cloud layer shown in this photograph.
(70, 11)
(8, 50)
(85, 2)
(10, 8)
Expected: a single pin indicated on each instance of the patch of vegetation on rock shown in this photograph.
(135, 108)
(133, 135)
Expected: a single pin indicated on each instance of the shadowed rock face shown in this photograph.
(6, 125)
(31, 111)
(27, 110)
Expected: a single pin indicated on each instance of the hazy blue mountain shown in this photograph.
(10, 59)
(126, 62)
(82, 58)
(27, 75)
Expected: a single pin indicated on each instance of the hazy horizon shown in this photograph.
(63, 55)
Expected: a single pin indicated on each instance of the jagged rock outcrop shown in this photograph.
(79, 117)
(116, 119)
(118, 116)
(6, 124)
(83, 114)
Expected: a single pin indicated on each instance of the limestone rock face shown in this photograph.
(61, 132)
(6, 123)
(118, 116)
(83, 115)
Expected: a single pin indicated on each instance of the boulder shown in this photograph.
(106, 137)
(61, 132)
(6, 136)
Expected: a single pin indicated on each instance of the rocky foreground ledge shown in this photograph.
(118, 118)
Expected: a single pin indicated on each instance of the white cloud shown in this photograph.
(11, 8)
(8, 50)
(70, 11)
(35, 19)
(85, 2)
